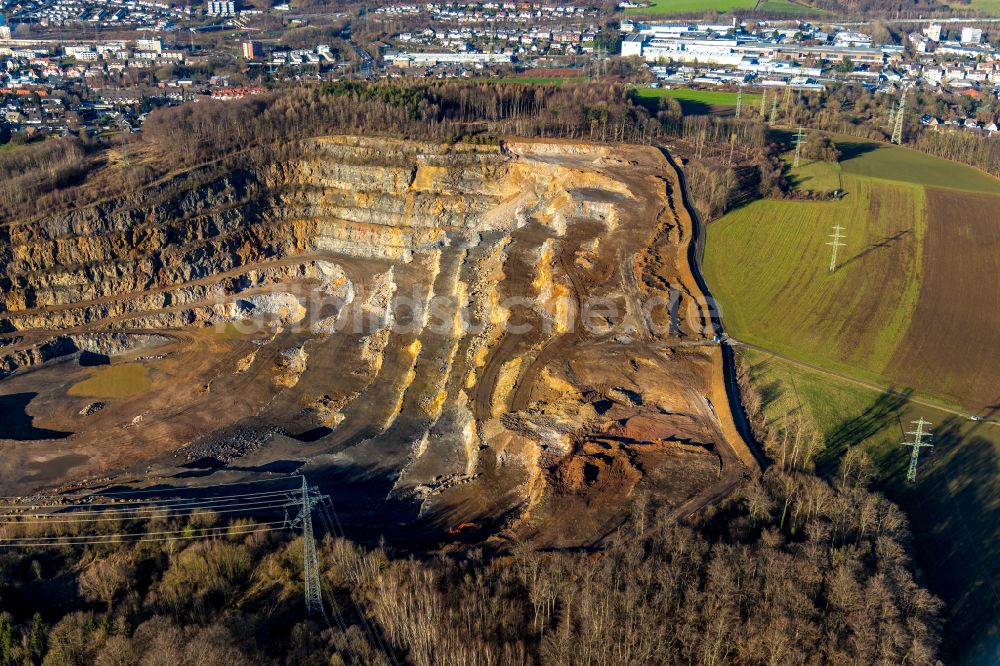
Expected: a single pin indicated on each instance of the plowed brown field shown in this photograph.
(953, 338)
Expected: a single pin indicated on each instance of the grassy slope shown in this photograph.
(815, 176)
(903, 164)
(767, 264)
(954, 508)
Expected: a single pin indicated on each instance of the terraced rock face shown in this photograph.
(509, 337)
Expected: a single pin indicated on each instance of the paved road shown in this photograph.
(862, 382)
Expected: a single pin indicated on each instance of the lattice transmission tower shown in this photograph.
(310, 564)
(918, 443)
(799, 140)
(835, 243)
(897, 130)
(739, 102)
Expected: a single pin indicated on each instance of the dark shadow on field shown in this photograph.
(954, 512)
(851, 149)
(17, 424)
(883, 412)
(885, 242)
(688, 107)
(769, 393)
(691, 107)
(785, 138)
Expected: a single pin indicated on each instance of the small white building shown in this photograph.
(971, 36)
(851, 38)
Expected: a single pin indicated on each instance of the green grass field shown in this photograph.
(692, 6)
(696, 102)
(991, 7)
(908, 217)
(905, 165)
(708, 97)
(786, 7)
(701, 7)
(768, 265)
(541, 80)
(954, 508)
(814, 175)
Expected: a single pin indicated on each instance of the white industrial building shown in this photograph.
(431, 59)
(971, 36)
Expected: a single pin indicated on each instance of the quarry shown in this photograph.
(502, 341)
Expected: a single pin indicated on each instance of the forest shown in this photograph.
(791, 569)
(735, 159)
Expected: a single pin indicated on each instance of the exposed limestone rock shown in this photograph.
(269, 298)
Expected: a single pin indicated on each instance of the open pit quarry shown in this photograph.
(505, 338)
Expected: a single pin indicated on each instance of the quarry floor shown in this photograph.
(527, 388)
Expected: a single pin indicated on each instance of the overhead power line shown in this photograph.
(176, 501)
(172, 489)
(238, 531)
(36, 515)
(156, 512)
(73, 539)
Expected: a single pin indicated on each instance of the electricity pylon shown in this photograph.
(774, 107)
(897, 131)
(798, 147)
(763, 105)
(836, 236)
(739, 102)
(310, 564)
(917, 443)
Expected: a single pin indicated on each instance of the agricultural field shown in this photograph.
(787, 7)
(702, 7)
(897, 310)
(902, 164)
(692, 6)
(699, 101)
(953, 508)
(914, 305)
(540, 80)
(991, 7)
(768, 265)
(814, 175)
